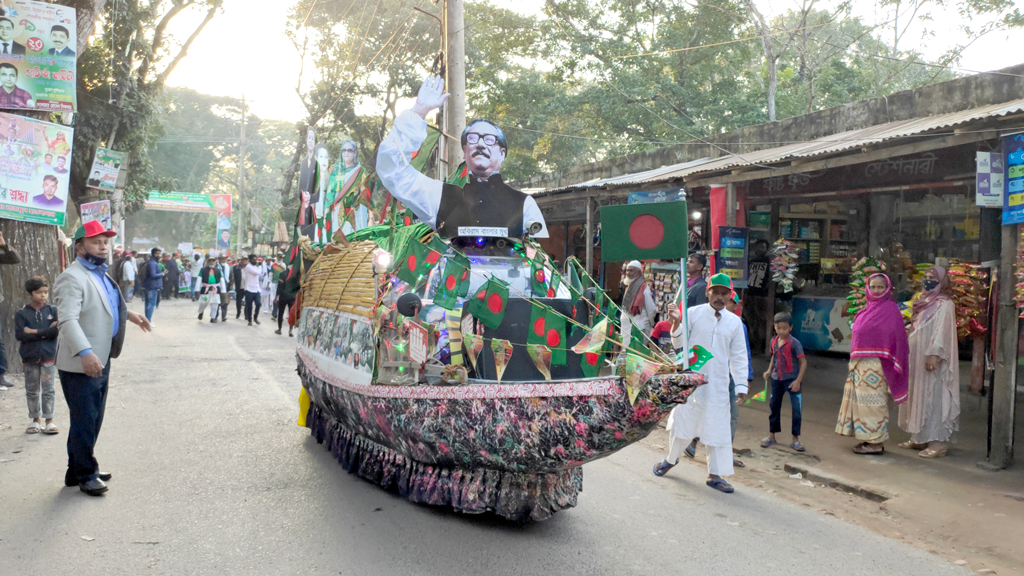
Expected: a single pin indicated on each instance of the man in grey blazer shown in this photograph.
(91, 333)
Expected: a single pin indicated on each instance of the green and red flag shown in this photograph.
(537, 283)
(591, 362)
(547, 328)
(644, 231)
(575, 286)
(406, 218)
(459, 176)
(637, 341)
(419, 158)
(698, 356)
(488, 304)
(556, 281)
(454, 281)
(417, 261)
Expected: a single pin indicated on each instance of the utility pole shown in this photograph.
(241, 178)
(455, 31)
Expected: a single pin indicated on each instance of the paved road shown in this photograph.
(213, 477)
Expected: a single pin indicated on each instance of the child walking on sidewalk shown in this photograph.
(35, 326)
(786, 370)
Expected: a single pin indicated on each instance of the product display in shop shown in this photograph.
(863, 269)
(664, 281)
(970, 295)
(784, 263)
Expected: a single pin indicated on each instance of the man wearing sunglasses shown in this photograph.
(485, 201)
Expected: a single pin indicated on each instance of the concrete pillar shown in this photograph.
(881, 226)
(1004, 385)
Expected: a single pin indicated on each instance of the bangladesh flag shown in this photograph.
(488, 304)
(454, 283)
(556, 281)
(406, 218)
(416, 263)
(537, 283)
(698, 357)
(459, 176)
(637, 341)
(548, 328)
(419, 158)
(575, 286)
(644, 231)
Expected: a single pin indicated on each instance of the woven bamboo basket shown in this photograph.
(343, 280)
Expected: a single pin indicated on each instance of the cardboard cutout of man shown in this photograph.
(323, 178)
(308, 193)
(485, 201)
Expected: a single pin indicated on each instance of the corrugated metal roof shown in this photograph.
(824, 146)
(852, 139)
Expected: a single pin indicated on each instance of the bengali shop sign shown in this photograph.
(35, 168)
(732, 254)
(37, 56)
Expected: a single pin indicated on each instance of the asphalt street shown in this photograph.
(212, 476)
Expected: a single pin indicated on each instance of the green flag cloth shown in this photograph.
(547, 328)
(459, 176)
(406, 218)
(488, 304)
(537, 283)
(637, 342)
(698, 356)
(644, 231)
(575, 286)
(556, 281)
(415, 263)
(453, 281)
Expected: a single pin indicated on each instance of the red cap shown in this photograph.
(92, 229)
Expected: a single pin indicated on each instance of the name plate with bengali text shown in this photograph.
(485, 231)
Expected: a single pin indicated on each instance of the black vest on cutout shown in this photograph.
(491, 203)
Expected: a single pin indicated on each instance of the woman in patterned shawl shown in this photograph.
(878, 368)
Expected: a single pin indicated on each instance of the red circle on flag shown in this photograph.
(539, 275)
(591, 358)
(481, 294)
(646, 232)
(410, 262)
(538, 326)
(551, 293)
(465, 274)
(449, 283)
(433, 257)
(495, 303)
(554, 338)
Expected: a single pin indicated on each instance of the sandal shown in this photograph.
(798, 446)
(738, 463)
(932, 453)
(34, 428)
(720, 485)
(768, 441)
(662, 467)
(863, 450)
(690, 452)
(910, 445)
(51, 429)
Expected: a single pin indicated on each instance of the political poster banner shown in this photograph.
(222, 202)
(98, 211)
(105, 167)
(37, 56)
(186, 202)
(35, 158)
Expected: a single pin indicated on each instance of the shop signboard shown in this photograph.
(35, 158)
(105, 168)
(659, 196)
(818, 323)
(733, 254)
(1013, 199)
(37, 59)
(989, 180)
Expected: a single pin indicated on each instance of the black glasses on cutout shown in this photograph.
(473, 138)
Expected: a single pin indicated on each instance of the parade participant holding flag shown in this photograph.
(707, 414)
(485, 201)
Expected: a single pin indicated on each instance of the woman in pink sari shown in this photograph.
(878, 369)
(932, 411)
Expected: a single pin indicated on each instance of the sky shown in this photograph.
(265, 66)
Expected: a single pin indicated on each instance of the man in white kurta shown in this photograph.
(707, 413)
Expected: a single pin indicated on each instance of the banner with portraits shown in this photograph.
(98, 211)
(35, 168)
(38, 64)
(106, 165)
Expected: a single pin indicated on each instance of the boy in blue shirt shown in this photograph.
(786, 370)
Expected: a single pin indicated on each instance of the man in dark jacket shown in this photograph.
(35, 326)
(154, 282)
(170, 288)
(236, 278)
(7, 256)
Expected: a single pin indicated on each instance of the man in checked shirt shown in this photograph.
(10, 95)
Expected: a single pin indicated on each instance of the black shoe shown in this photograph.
(94, 487)
(278, 331)
(237, 316)
(213, 320)
(105, 476)
(256, 320)
(70, 481)
(200, 315)
(250, 322)
(290, 335)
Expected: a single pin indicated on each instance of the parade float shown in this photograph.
(467, 373)
(455, 363)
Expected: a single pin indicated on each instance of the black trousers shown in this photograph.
(252, 298)
(239, 301)
(282, 305)
(3, 355)
(87, 400)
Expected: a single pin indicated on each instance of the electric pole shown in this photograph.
(455, 31)
(241, 177)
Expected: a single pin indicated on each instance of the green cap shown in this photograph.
(720, 280)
